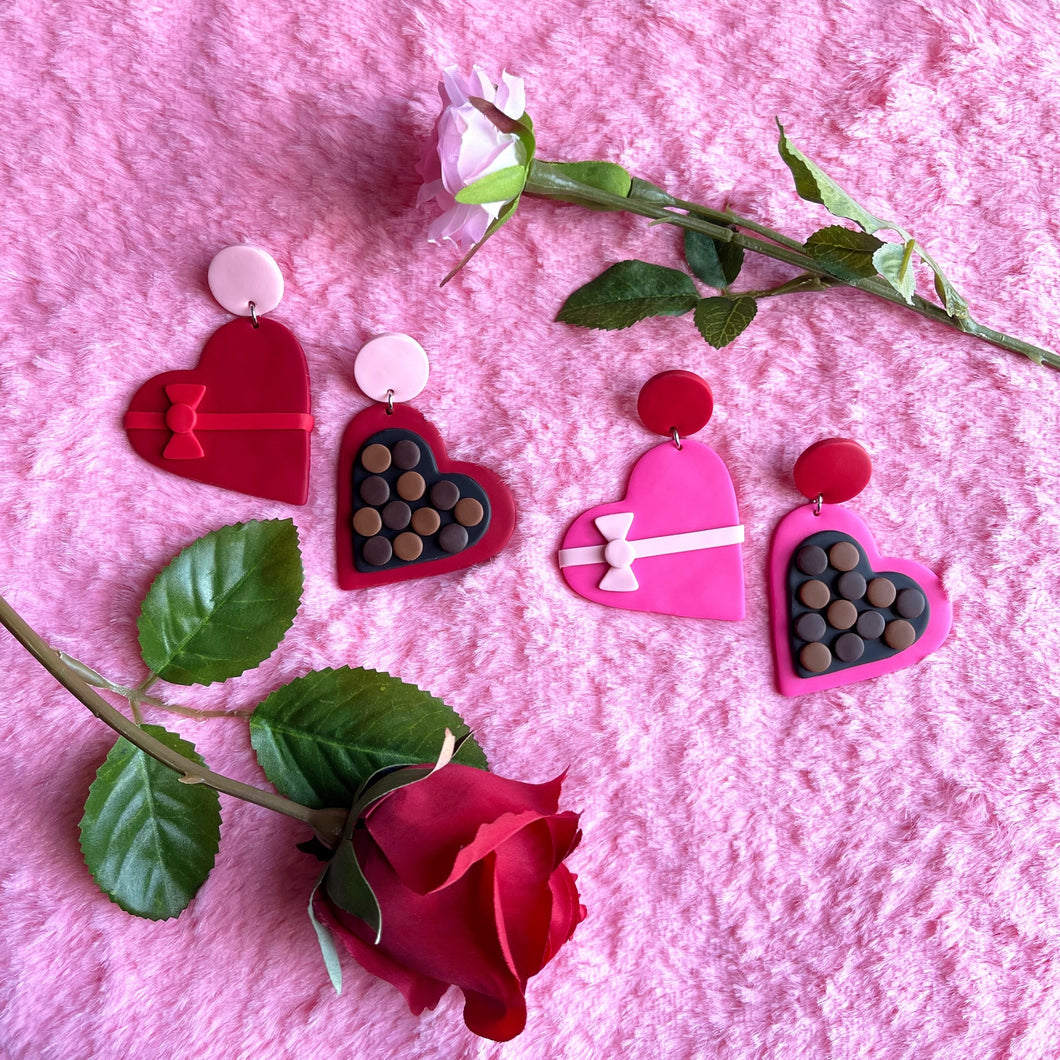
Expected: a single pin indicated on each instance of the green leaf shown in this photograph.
(814, 185)
(894, 261)
(223, 604)
(951, 299)
(328, 950)
(720, 320)
(606, 176)
(844, 252)
(628, 292)
(149, 839)
(716, 263)
(500, 186)
(321, 737)
(506, 212)
(349, 890)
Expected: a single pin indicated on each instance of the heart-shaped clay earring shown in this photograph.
(672, 544)
(241, 418)
(405, 510)
(841, 611)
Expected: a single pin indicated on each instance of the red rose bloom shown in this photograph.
(468, 871)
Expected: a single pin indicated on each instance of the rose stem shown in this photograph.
(546, 182)
(326, 823)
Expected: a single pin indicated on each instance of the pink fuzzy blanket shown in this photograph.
(871, 871)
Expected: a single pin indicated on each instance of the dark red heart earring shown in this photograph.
(241, 418)
(405, 510)
(841, 611)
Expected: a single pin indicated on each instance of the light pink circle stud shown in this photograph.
(391, 366)
(241, 275)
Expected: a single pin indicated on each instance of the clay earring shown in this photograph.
(405, 510)
(241, 418)
(672, 544)
(841, 611)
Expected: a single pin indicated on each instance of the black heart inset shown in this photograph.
(404, 510)
(844, 614)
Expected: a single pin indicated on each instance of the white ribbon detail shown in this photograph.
(619, 553)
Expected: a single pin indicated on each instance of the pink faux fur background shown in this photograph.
(868, 872)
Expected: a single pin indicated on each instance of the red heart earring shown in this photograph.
(241, 418)
(841, 611)
(405, 510)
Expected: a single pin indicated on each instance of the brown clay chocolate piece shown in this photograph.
(377, 551)
(815, 594)
(849, 647)
(844, 556)
(810, 626)
(406, 454)
(812, 560)
(425, 521)
(851, 585)
(375, 491)
(444, 495)
(366, 522)
(842, 614)
(870, 624)
(453, 538)
(899, 634)
(815, 657)
(910, 603)
(410, 486)
(375, 458)
(468, 511)
(881, 592)
(408, 546)
(396, 515)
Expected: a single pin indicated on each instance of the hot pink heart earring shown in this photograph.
(841, 611)
(671, 545)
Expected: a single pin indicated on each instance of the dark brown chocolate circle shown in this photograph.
(453, 538)
(366, 522)
(842, 614)
(396, 515)
(444, 495)
(815, 594)
(844, 555)
(870, 624)
(377, 551)
(810, 626)
(410, 486)
(910, 603)
(468, 511)
(851, 585)
(375, 458)
(849, 647)
(375, 491)
(815, 657)
(408, 547)
(881, 592)
(406, 454)
(899, 634)
(812, 560)
(425, 521)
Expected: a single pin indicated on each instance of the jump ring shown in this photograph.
(676, 437)
(253, 314)
(390, 402)
(817, 502)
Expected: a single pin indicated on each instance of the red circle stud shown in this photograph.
(675, 401)
(834, 469)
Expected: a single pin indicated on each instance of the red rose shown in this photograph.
(468, 871)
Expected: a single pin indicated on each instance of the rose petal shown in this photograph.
(511, 96)
(567, 910)
(493, 1018)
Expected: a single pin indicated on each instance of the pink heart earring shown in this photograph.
(841, 611)
(672, 544)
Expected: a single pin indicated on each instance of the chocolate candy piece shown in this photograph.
(452, 538)
(444, 495)
(851, 585)
(849, 647)
(870, 624)
(366, 522)
(375, 491)
(408, 546)
(842, 614)
(410, 486)
(815, 657)
(812, 560)
(899, 634)
(375, 458)
(406, 454)
(377, 551)
(468, 511)
(425, 521)
(910, 603)
(396, 515)
(815, 594)
(810, 626)
(844, 555)
(881, 592)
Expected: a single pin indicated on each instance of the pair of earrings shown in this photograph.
(241, 420)
(841, 612)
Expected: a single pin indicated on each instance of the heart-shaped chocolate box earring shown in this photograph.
(841, 611)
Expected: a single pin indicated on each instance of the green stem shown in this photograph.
(547, 182)
(326, 823)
